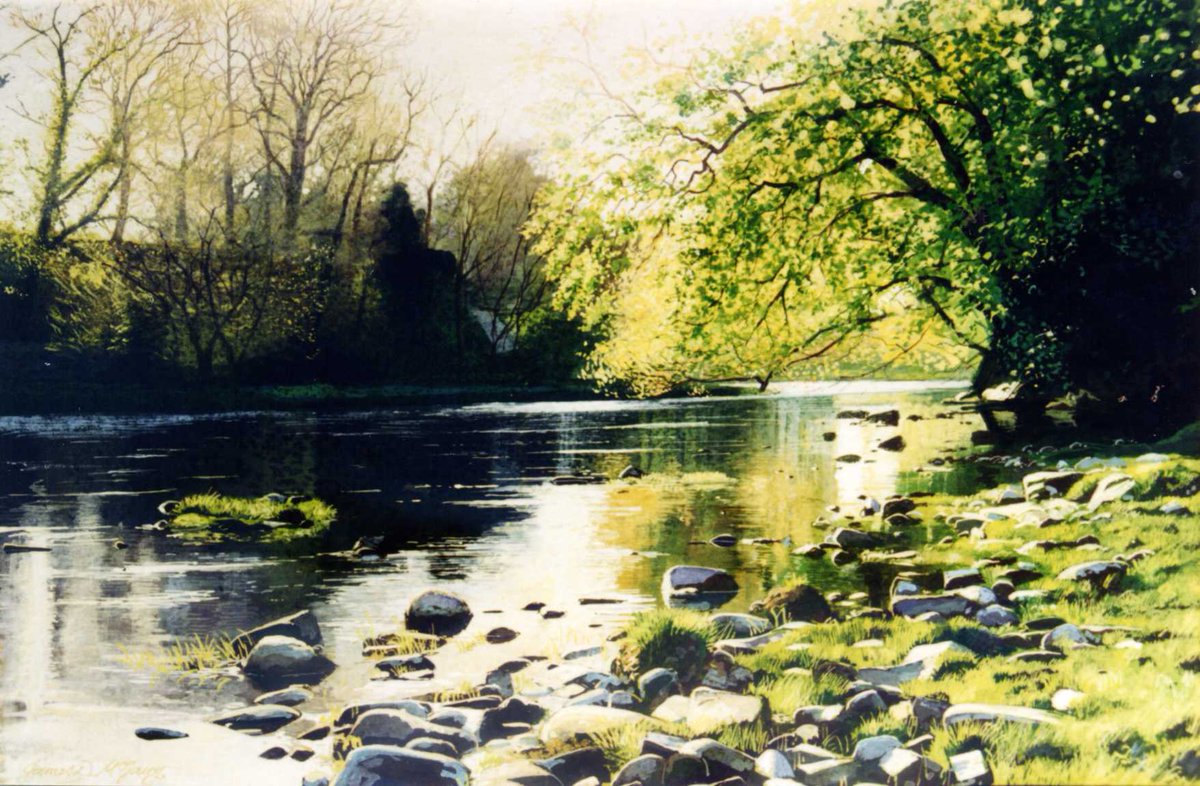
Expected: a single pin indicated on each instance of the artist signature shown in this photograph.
(121, 771)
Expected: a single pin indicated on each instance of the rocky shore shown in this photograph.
(1035, 633)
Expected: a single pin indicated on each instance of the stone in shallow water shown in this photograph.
(288, 697)
(159, 733)
(437, 612)
(264, 717)
(280, 660)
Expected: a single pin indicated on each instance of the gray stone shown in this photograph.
(773, 764)
(397, 727)
(946, 605)
(871, 749)
(710, 710)
(647, 770)
(573, 723)
(398, 664)
(1111, 489)
(1065, 698)
(281, 660)
(263, 717)
(576, 765)
(1040, 485)
(852, 538)
(388, 765)
(723, 761)
(991, 713)
(302, 625)
(970, 769)
(954, 579)
(687, 580)
(656, 685)
(1066, 636)
(830, 772)
(1099, 573)
(864, 705)
(288, 697)
(437, 612)
(996, 616)
(980, 596)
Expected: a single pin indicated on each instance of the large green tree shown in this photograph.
(907, 168)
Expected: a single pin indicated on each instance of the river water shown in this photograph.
(463, 498)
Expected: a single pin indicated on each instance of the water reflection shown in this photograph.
(460, 494)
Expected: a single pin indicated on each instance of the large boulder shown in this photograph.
(1100, 574)
(437, 612)
(388, 765)
(945, 605)
(710, 710)
(278, 661)
(302, 625)
(797, 602)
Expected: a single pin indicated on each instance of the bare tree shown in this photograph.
(309, 66)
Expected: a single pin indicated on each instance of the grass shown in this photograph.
(211, 517)
(194, 654)
(1140, 707)
(675, 639)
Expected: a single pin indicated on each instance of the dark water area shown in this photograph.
(462, 497)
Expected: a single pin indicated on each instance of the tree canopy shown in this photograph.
(912, 170)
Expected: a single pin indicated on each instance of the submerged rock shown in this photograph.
(263, 718)
(696, 583)
(797, 602)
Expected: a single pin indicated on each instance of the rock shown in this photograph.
(773, 764)
(430, 745)
(928, 710)
(828, 772)
(897, 505)
(954, 579)
(656, 685)
(437, 612)
(168, 507)
(852, 414)
(996, 616)
(1064, 637)
(1036, 656)
(970, 769)
(871, 749)
(889, 417)
(302, 625)
(630, 473)
(1021, 574)
(1188, 764)
(724, 541)
(723, 761)
(397, 727)
(387, 765)
(315, 779)
(158, 733)
(739, 626)
(288, 697)
(810, 550)
(1111, 489)
(500, 635)
(573, 723)
(352, 712)
(863, 705)
(1101, 574)
(710, 710)
(829, 436)
(849, 458)
(274, 752)
(552, 614)
(840, 557)
(683, 581)
(980, 596)
(276, 661)
(725, 674)
(797, 602)
(515, 773)
(991, 713)
(1041, 485)
(400, 664)
(945, 605)
(1065, 698)
(894, 444)
(265, 718)
(848, 538)
(647, 770)
(574, 766)
(1174, 509)
(921, 662)
(907, 767)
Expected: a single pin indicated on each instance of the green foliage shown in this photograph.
(904, 171)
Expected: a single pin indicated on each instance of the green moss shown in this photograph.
(213, 518)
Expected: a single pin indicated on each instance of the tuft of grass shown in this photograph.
(196, 653)
(208, 518)
(675, 639)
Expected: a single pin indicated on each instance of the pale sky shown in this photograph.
(490, 52)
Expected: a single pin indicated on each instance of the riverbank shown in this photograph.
(1039, 632)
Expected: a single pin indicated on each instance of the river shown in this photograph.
(463, 498)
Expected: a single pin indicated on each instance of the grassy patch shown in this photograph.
(197, 653)
(668, 638)
(213, 518)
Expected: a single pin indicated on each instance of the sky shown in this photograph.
(495, 56)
